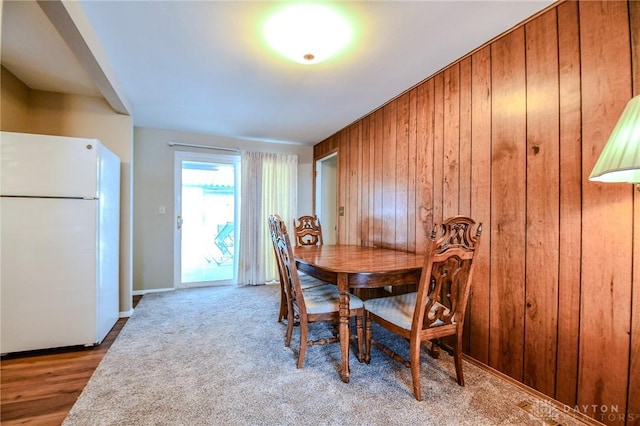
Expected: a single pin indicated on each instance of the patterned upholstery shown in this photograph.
(307, 281)
(325, 299)
(399, 309)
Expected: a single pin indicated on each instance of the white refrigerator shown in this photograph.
(59, 242)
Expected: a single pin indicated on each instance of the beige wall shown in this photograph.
(32, 111)
(153, 233)
(14, 104)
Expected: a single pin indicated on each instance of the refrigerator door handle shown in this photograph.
(179, 222)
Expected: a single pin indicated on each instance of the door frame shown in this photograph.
(179, 157)
(324, 193)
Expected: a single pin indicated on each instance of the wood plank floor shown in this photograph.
(40, 387)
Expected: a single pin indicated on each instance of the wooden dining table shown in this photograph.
(351, 267)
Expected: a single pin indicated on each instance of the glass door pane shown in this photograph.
(207, 233)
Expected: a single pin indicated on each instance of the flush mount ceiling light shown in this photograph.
(308, 33)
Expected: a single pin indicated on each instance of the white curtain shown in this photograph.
(269, 185)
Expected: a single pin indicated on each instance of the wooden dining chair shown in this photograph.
(437, 309)
(314, 304)
(308, 231)
(306, 281)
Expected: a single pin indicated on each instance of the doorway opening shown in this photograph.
(206, 202)
(326, 196)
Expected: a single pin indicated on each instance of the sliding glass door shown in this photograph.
(206, 204)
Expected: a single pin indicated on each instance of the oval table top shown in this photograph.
(353, 259)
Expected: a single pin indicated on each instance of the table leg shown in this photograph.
(343, 288)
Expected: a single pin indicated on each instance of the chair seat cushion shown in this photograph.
(399, 309)
(326, 298)
(307, 281)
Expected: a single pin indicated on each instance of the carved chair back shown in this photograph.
(273, 232)
(308, 231)
(287, 266)
(446, 278)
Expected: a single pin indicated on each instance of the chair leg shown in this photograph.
(367, 339)
(457, 359)
(304, 329)
(360, 337)
(414, 353)
(435, 349)
(290, 323)
(283, 305)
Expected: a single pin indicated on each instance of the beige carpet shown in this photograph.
(216, 356)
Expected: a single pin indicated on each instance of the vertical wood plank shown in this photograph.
(354, 184)
(412, 171)
(402, 171)
(543, 180)
(451, 148)
(361, 173)
(464, 192)
(570, 203)
(389, 176)
(451, 142)
(379, 143)
(508, 203)
(320, 149)
(326, 147)
(606, 278)
(633, 397)
(366, 180)
(465, 138)
(372, 181)
(438, 148)
(479, 299)
(345, 136)
(425, 137)
(343, 162)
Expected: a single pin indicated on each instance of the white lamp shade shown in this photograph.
(308, 33)
(620, 158)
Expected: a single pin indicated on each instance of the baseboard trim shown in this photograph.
(568, 410)
(125, 314)
(151, 290)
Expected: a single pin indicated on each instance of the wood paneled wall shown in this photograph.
(509, 135)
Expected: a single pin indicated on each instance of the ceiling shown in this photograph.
(201, 66)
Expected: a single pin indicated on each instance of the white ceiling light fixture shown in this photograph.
(308, 33)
